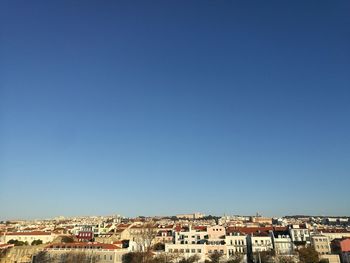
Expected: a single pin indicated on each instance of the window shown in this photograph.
(199, 251)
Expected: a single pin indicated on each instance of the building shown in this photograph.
(335, 233)
(259, 242)
(282, 242)
(300, 235)
(197, 235)
(331, 258)
(236, 242)
(191, 216)
(96, 252)
(341, 246)
(321, 244)
(187, 250)
(28, 237)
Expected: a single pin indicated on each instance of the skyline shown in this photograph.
(174, 107)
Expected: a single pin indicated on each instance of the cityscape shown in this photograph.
(181, 238)
(174, 131)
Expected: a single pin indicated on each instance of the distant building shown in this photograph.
(28, 237)
(191, 216)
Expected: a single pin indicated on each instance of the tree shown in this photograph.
(285, 259)
(67, 239)
(235, 258)
(17, 242)
(159, 247)
(264, 256)
(36, 242)
(191, 259)
(42, 257)
(215, 257)
(165, 258)
(308, 255)
(133, 257)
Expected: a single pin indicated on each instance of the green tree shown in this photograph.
(67, 239)
(137, 257)
(42, 257)
(36, 242)
(285, 259)
(191, 259)
(17, 242)
(308, 255)
(159, 247)
(215, 257)
(264, 256)
(235, 258)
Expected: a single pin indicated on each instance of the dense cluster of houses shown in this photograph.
(110, 239)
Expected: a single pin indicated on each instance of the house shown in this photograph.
(282, 242)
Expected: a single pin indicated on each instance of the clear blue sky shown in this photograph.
(165, 107)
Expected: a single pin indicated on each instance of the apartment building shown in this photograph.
(321, 244)
(258, 242)
(282, 242)
(236, 242)
(300, 235)
(187, 250)
(189, 235)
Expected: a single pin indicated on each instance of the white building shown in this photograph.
(187, 250)
(300, 234)
(191, 236)
(236, 243)
(282, 242)
(28, 237)
(259, 242)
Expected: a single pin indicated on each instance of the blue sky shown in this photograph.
(165, 107)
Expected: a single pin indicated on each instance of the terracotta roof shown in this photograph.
(248, 230)
(200, 228)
